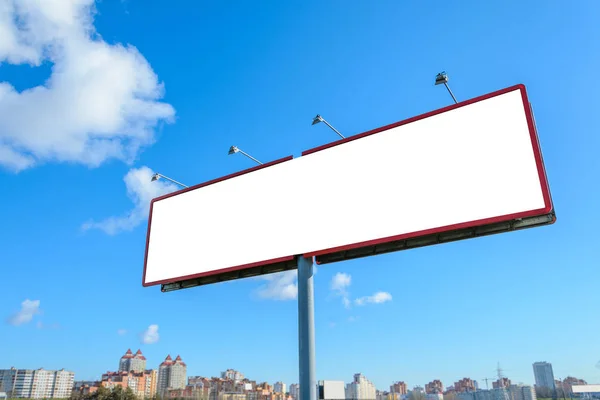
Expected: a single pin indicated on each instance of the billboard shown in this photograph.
(586, 389)
(331, 390)
(470, 169)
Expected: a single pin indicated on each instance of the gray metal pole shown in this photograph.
(306, 329)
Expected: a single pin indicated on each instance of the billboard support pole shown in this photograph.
(306, 329)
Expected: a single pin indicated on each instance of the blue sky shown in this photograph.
(78, 151)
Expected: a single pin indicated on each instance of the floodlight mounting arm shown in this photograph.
(156, 176)
(249, 156)
(235, 149)
(450, 91)
(318, 119)
(333, 129)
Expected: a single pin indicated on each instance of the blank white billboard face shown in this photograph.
(467, 165)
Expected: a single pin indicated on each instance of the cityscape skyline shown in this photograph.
(96, 97)
(172, 374)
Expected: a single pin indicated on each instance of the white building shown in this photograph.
(279, 387)
(232, 375)
(360, 389)
(37, 384)
(171, 374)
(544, 376)
(132, 362)
(295, 391)
(331, 390)
(521, 392)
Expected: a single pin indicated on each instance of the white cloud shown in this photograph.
(339, 285)
(141, 190)
(279, 286)
(29, 308)
(377, 298)
(346, 302)
(100, 102)
(150, 335)
(340, 282)
(121, 332)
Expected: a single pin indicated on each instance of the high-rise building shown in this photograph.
(232, 375)
(399, 387)
(279, 387)
(171, 374)
(501, 383)
(295, 391)
(465, 385)
(142, 384)
(521, 392)
(132, 362)
(37, 384)
(434, 387)
(544, 376)
(360, 389)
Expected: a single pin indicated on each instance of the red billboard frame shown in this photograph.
(398, 242)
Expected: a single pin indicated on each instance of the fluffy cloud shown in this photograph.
(340, 282)
(121, 332)
(339, 285)
(29, 308)
(101, 101)
(140, 190)
(279, 286)
(377, 298)
(150, 335)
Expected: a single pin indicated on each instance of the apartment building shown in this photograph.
(37, 384)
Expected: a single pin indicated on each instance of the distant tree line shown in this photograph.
(103, 393)
(549, 393)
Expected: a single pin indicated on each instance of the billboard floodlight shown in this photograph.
(157, 176)
(235, 149)
(442, 79)
(318, 119)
